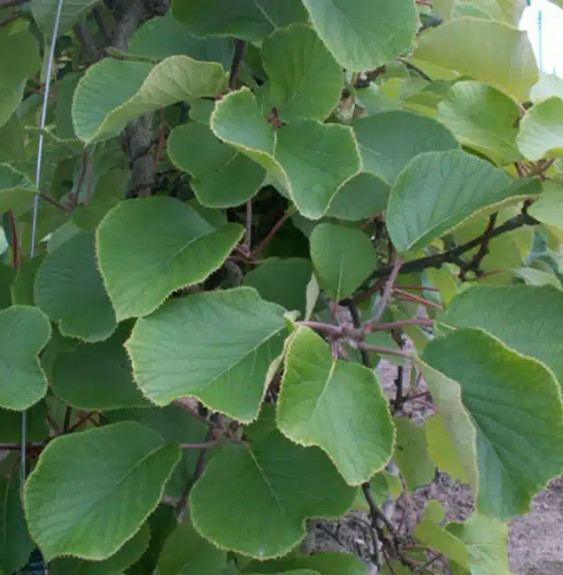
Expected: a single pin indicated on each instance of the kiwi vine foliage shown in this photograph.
(244, 207)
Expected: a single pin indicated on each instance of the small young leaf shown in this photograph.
(279, 485)
(149, 247)
(219, 346)
(24, 332)
(498, 387)
(343, 259)
(69, 289)
(357, 33)
(91, 515)
(317, 397)
(186, 552)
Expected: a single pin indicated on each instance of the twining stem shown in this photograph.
(383, 350)
(205, 445)
(16, 257)
(386, 294)
(417, 299)
(401, 323)
(272, 233)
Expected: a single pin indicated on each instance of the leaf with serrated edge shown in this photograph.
(219, 347)
(324, 562)
(149, 247)
(499, 386)
(279, 485)
(113, 92)
(24, 332)
(91, 515)
(317, 396)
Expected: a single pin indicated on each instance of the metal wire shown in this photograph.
(42, 123)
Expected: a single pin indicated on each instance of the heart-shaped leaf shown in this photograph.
(91, 515)
(237, 322)
(149, 247)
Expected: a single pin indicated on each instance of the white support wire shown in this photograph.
(42, 122)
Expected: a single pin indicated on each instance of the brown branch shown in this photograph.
(477, 259)
(453, 255)
(386, 294)
(238, 57)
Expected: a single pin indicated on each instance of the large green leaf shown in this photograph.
(309, 160)
(106, 381)
(526, 318)
(279, 485)
(69, 289)
(483, 119)
(91, 515)
(343, 258)
(219, 347)
(500, 387)
(22, 63)
(317, 397)
(359, 33)
(112, 92)
(282, 13)
(389, 140)
(485, 50)
(437, 191)
(24, 332)
(114, 565)
(241, 19)
(221, 176)
(44, 13)
(16, 190)
(541, 130)
(548, 85)
(305, 80)
(15, 542)
(149, 247)
(176, 426)
(323, 563)
(186, 552)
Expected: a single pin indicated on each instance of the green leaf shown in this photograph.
(389, 140)
(343, 258)
(358, 33)
(486, 543)
(22, 64)
(176, 426)
(45, 11)
(221, 176)
(237, 322)
(106, 381)
(499, 387)
(437, 191)
(363, 196)
(112, 92)
(37, 429)
(541, 130)
(69, 289)
(186, 552)
(318, 394)
(16, 190)
(91, 515)
(526, 318)
(548, 209)
(307, 159)
(15, 543)
(149, 247)
(126, 556)
(450, 434)
(483, 119)
(7, 276)
(323, 563)
(318, 159)
(164, 36)
(486, 50)
(23, 285)
(24, 332)
(548, 85)
(282, 13)
(242, 19)
(291, 293)
(279, 485)
(305, 80)
(411, 454)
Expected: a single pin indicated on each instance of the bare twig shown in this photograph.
(238, 57)
(384, 350)
(368, 326)
(477, 259)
